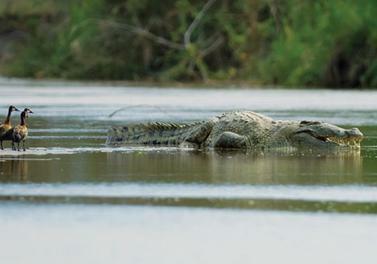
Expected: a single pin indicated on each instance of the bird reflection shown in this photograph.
(14, 169)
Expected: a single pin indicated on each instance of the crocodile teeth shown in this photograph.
(350, 141)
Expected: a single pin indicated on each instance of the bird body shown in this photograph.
(20, 132)
(6, 127)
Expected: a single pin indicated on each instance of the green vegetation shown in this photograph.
(290, 43)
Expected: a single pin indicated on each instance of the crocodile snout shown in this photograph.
(354, 132)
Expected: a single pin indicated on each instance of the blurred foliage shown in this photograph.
(290, 43)
(330, 43)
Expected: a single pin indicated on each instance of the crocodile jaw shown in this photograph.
(345, 141)
(307, 139)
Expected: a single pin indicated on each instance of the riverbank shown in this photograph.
(268, 43)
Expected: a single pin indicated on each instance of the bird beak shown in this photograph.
(15, 109)
(31, 112)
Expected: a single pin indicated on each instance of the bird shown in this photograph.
(6, 127)
(20, 132)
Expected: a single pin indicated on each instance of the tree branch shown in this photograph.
(273, 5)
(195, 60)
(212, 47)
(195, 23)
(147, 34)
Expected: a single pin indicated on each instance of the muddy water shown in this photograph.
(69, 194)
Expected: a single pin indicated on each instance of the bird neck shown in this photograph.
(7, 120)
(23, 119)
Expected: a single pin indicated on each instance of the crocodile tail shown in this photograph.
(156, 133)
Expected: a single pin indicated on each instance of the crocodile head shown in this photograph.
(313, 134)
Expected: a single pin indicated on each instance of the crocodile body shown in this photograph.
(238, 130)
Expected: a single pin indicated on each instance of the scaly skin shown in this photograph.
(239, 130)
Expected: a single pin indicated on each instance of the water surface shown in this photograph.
(142, 204)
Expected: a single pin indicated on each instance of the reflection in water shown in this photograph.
(215, 167)
(14, 169)
(185, 166)
(97, 172)
(281, 169)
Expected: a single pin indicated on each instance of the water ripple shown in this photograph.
(348, 193)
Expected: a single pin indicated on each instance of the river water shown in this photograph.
(71, 199)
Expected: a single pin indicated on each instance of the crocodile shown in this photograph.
(239, 130)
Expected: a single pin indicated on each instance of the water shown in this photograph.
(70, 195)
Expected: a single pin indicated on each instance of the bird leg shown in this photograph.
(1, 143)
(23, 145)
